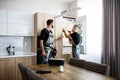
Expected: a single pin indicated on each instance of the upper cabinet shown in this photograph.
(14, 23)
(20, 29)
(20, 18)
(3, 29)
(20, 24)
(3, 17)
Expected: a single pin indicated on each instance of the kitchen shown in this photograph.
(22, 21)
(18, 34)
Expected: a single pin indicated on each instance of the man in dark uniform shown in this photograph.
(47, 41)
(74, 39)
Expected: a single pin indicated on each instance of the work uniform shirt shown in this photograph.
(44, 35)
(75, 37)
(48, 38)
(75, 45)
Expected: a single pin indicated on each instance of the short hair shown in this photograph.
(49, 21)
(76, 26)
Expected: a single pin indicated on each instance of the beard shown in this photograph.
(52, 26)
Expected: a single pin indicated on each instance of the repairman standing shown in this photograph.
(47, 41)
(74, 39)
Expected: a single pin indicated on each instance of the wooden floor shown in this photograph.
(70, 73)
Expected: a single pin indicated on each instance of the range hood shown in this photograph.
(67, 12)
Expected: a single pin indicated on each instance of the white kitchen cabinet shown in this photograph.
(20, 24)
(9, 67)
(20, 17)
(14, 23)
(20, 29)
(3, 16)
(3, 22)
(2, 28)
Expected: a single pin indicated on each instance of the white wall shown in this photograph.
(93, 11)
(48, 6)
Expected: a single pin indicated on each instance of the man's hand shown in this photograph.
(69, 32)
(63, 30)
(60, 37)
(42, 48)
(43, 53)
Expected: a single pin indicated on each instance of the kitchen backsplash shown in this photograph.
(22, 44)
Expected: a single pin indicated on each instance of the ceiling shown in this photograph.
(67, 1)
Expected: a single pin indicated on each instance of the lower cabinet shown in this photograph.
(2, 69)
(19, 60)
(9, 67)
(27, 61)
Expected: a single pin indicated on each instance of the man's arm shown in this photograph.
(66, 35)
(60, 37)
(70, 40)
(42, 48)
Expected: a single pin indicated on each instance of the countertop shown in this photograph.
(18, 54)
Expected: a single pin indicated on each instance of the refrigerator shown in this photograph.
(39, 57)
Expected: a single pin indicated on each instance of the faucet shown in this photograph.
(11, 50)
